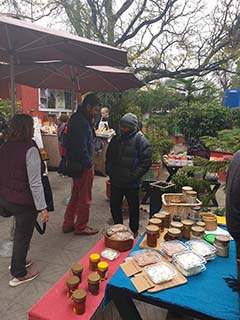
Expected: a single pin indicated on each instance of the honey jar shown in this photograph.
(221, 243)
(177, 225)
(191, 197)
(161, 216)
(94, 258)
(93, 283)
(72, 284)
(103, 270)
(152, 235)
(184, 192)
(187, 224)
(197, 232)
(173, 234)
(77, 270)
(201, 224)
(79, 301)
(156, 222)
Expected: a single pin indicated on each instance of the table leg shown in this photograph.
(124, 305)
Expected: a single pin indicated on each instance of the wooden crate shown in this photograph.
(174, 204)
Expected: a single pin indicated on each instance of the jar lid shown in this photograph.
(224, 239)
(79, 295)
(93, 278)
(155, 221)
(77, 267)
(165, 212)
(187, 188)
(197, 229)
(152, 228)
(187, 222)
(201, 224)
(94, 257)
(191, 193)
(174, 231)
(196, 208)
(73, 281)
(102, 266)
(160, 215)
(176, 224)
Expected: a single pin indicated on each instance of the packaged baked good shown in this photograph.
(116, 228)
(189, 263)
(160, 272)
(172, 247)
(110, 254)
(202, 248)
(124, 235)
(145, 257)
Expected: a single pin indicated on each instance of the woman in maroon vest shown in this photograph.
(21, 192)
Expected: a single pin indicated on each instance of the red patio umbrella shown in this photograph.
(76, 78)
(23, 42)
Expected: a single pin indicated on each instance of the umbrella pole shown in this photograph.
(12, 81)
(73, 95)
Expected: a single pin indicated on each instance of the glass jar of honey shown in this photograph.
(72, 285)
(177, 225)
(94, 259)
(103, 270)
(161, 216)
(173, 234)
(187, 224)
(156, 222)
(152, 235)
(93, 283)
(201, 224)
(197, 232)
(77, 270)
(79, 301)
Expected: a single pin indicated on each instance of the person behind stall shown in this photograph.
(80, 135)
(232, 205)
(128, 158)
(103, 122)
(21, 192)
(3, 128)
(62, 143)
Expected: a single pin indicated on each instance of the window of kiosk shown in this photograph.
(54, 100)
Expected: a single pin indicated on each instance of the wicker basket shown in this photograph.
(120, 245)
(174, 204)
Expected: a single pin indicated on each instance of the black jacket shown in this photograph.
(233, 197)
(80, 135)
(128, 158)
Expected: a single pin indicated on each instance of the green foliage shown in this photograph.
(5, 108)
(225, 141)
(181, 180)
(201, 119)
(159, 139)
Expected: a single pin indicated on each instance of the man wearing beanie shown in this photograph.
(128, 158)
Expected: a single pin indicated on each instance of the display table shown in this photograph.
(100, 156)
(54, 305)
(50, 144)
(205, 296)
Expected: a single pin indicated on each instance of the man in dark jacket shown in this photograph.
(128, 158)
(80, 135)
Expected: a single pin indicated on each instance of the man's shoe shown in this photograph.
(67, 229)
(28, 277)
(87, 231)
(27, 265)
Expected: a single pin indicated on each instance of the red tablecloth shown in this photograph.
(54, 305)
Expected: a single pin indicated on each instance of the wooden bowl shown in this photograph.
(120, 245)
(210, 220)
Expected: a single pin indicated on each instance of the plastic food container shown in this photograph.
(189, 263)
(172, 247)
(202, 248)
(110, 254)
(145, 257)
(160, 272)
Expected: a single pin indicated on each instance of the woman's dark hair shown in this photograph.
(21, 128)
(64, 118)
